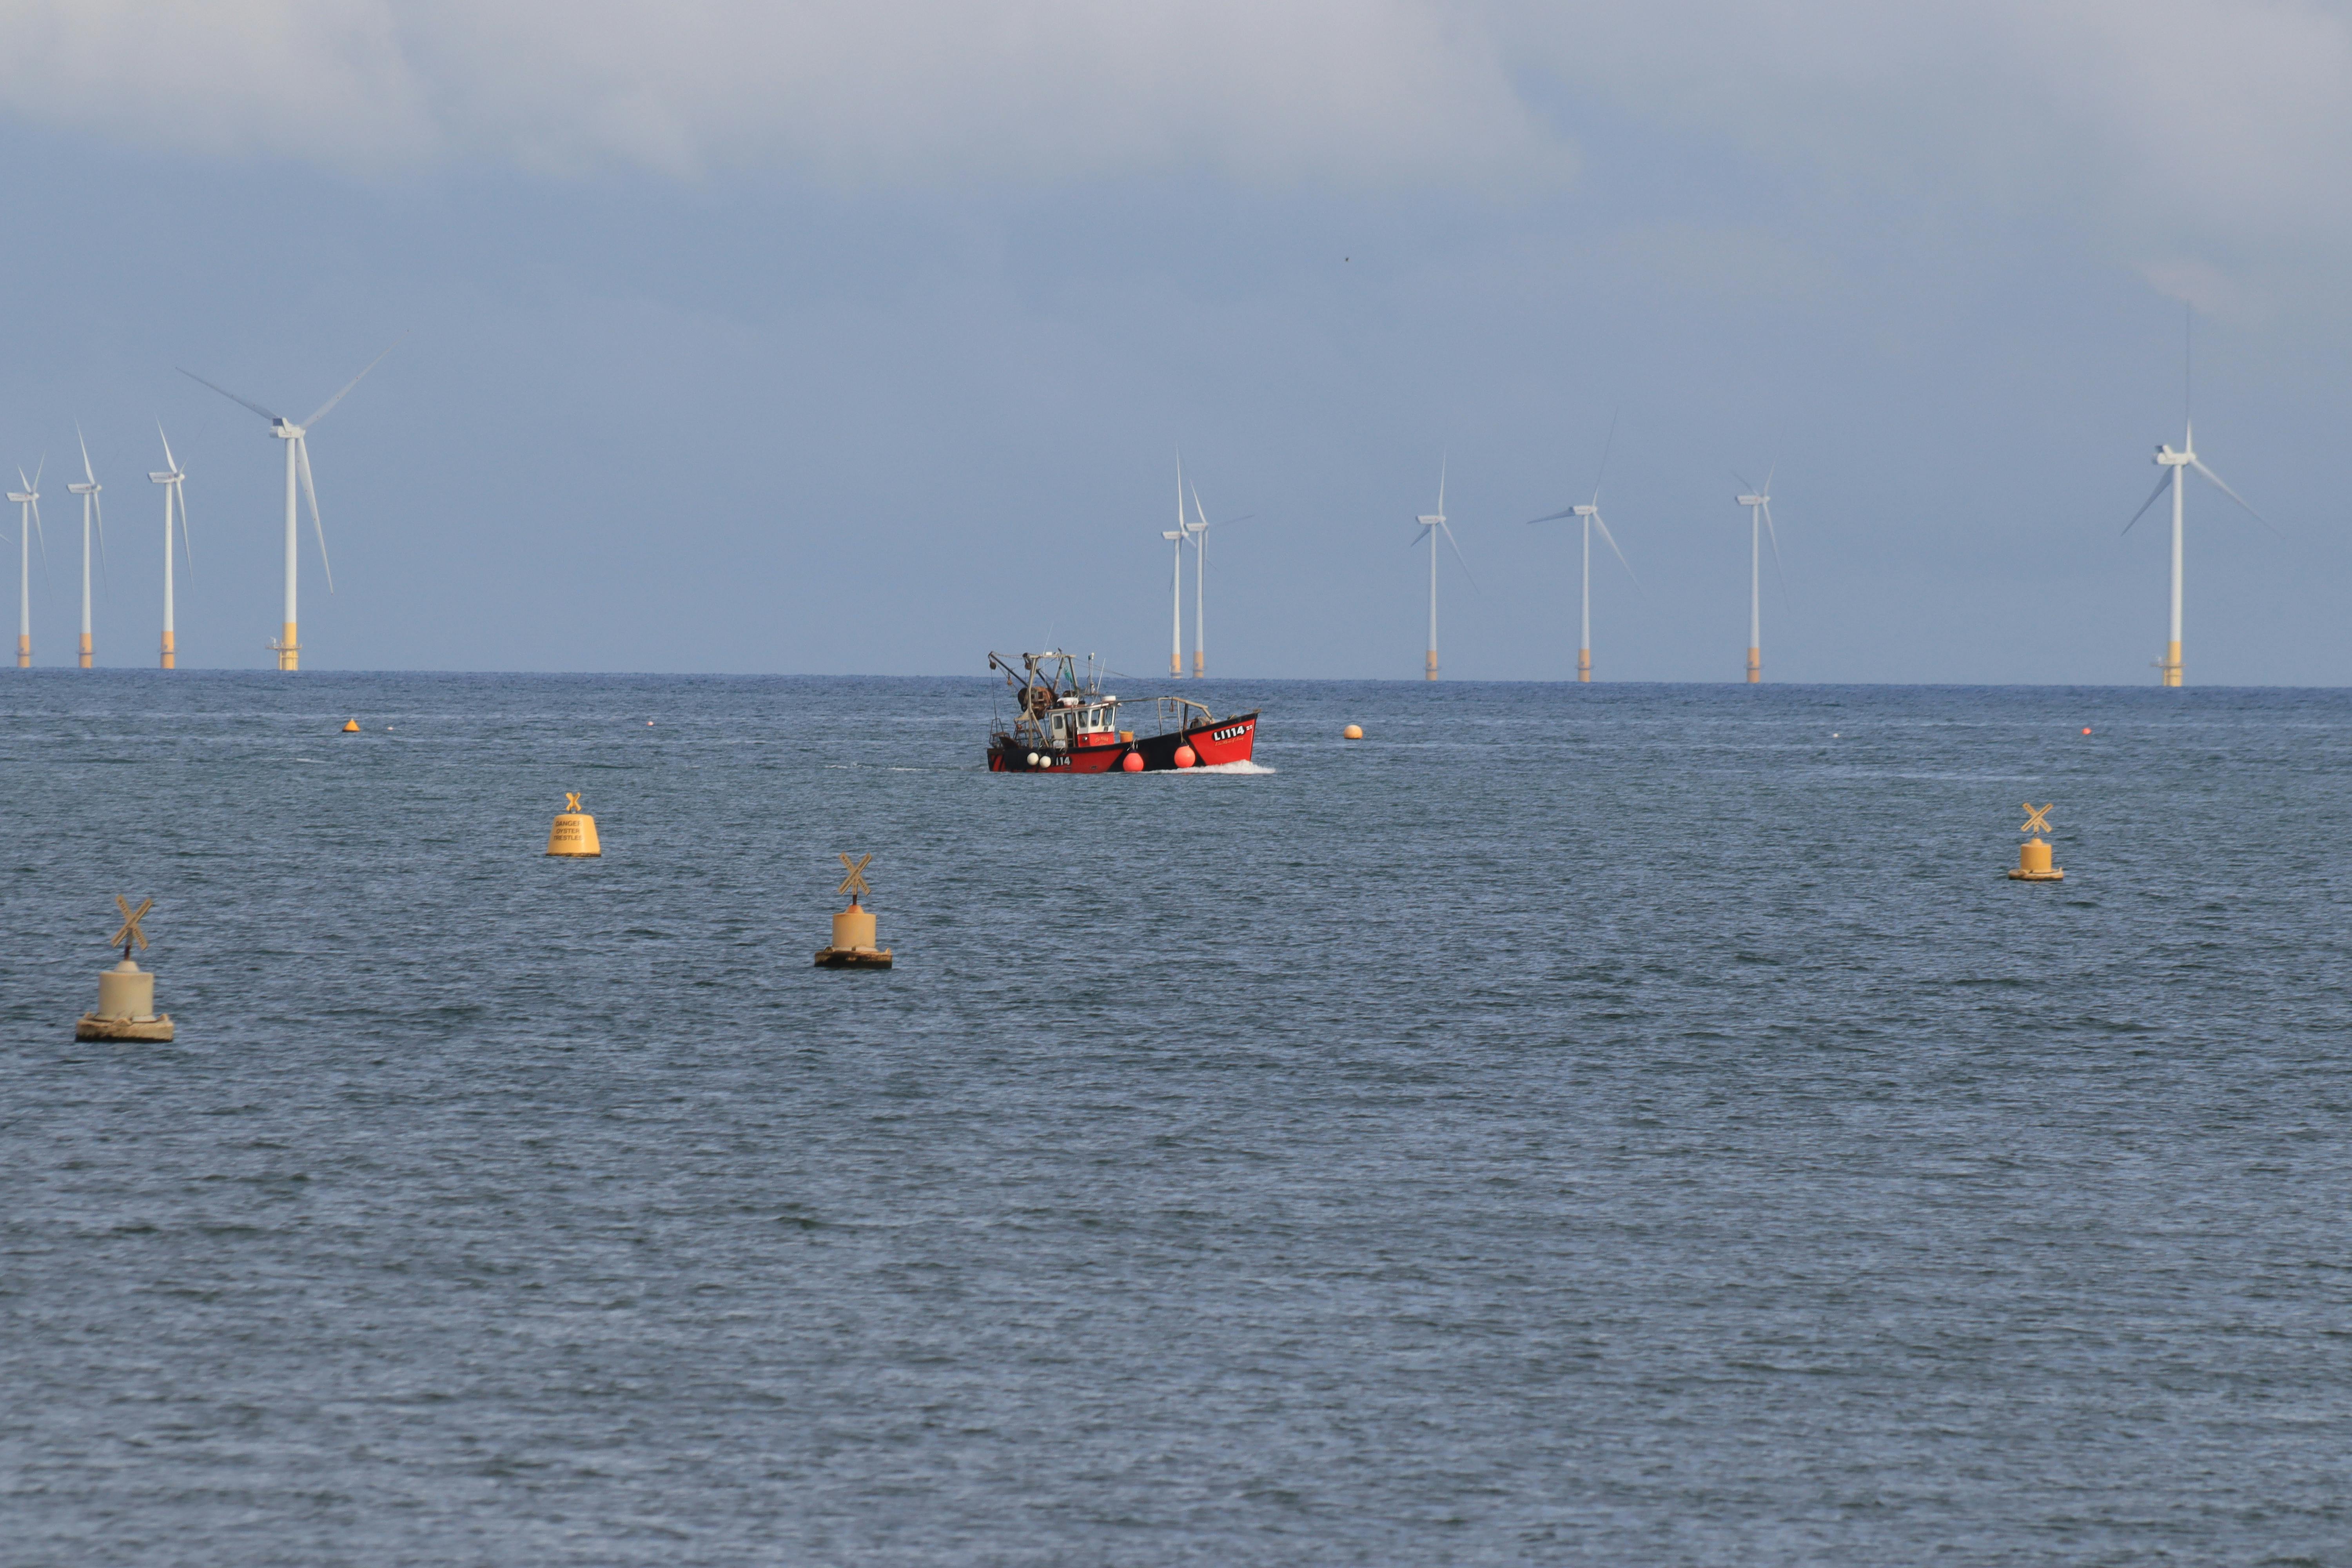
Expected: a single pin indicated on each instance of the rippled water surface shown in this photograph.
(1622, 1125)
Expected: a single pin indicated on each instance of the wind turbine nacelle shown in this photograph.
(84, 489)
(285, 432)
(1430, 521)
(1752, 500)
(161, 478)
(20, 498)
(1585, 510)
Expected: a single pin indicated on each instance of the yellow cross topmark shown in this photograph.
(2037, 817)
(572, 802)
(855, 882)
(130, 917)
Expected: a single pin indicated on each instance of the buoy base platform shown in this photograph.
(2033, 864)
(853, 958)
(574, 833)
(157, 1029)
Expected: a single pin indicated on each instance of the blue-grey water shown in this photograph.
(1615, 1125)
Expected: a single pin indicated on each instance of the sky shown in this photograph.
(832, 338)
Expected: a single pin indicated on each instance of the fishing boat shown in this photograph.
(1065, 722)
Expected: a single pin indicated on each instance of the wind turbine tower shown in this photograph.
(88, 493)
(170, 480)
(1432, 524)
(1759, 522)
(298, 462)
(28, 523)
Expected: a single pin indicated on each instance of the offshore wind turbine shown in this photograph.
(1176, 581)
(28, 523)
(297, 460)
(88, 493)
(1432, 525)
(1589, 516)
(2176, 466)
(1759, 503)
(171, 479)
(1198, 532)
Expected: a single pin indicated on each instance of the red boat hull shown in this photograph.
(1213, 741)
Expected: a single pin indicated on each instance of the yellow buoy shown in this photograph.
(853, 928)
(126, 992)
(2033, 855)
(574, 832)
(350, 726)
(1352, 733)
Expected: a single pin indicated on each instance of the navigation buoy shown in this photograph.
(1132, 761)
(574, 832)
(1352, 733)
(2086, 728)
(853, 928)
(126, 992)
(2033, 855)
(350, 726)
(1186, 756)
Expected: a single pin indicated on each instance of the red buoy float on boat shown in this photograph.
(1134, 763)
(1184, 757)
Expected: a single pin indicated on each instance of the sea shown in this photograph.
(1608, 1124)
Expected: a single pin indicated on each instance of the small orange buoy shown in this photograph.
(1352, 733)
(350, 726)
(2086, 728)
(1132, 761)
(1186, 757)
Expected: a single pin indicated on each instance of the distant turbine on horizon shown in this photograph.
(1759, 503)
(89, 506)
(298, 461)
(1589, 516)
(28, 525)
(1432, 524)
(172, 480)
(1176, 582)
(2175, 465)
(1198, 532)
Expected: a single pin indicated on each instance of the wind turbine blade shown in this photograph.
(169, 462)
(1745, 486)
(302, 459)
(1415, 541)
(224, 392)
(85, 474)
(1552, 517)
(2161, 485)
(1612, 544)
(1605, 446)
(1779, 573)
(349, 385)
(186, 549)
(1441, 458)
(98, 510)
(2234, 496)
(1198, 513)
(37, 468)
(1458, 556)
(40, 537)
